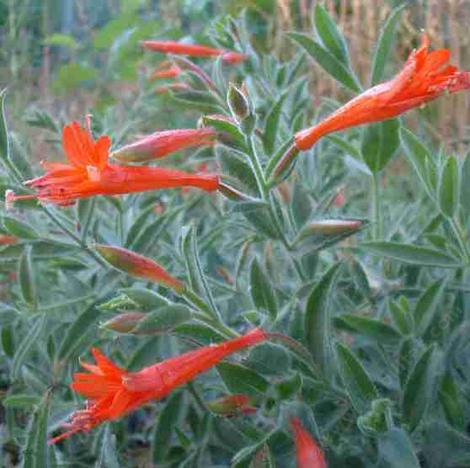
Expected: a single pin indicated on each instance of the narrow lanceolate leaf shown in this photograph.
(384, 45)
(168, 419)
(327, 61)
(108, 453)
(317, 320)
(465, 185)
(18, 228)
(27, 279)
(76, 332)
(426, 306)
(379, 143)
(366, 326)
(449, 397)
(396, 450)
(418, 389)
(412, 254)
(35, 452)
(197, 278)
(4, 144)
(242, 379)
(419, 157)
(329, 34)
(357, 382)
(262, 291)
(272, 125)
(163, 319)
(26, 345)
(449, 187)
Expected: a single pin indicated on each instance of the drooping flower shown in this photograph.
(425, 76)
(112, 391)
(194, 50)
(308, 453)
(88, 173)
(166, 70)
(161, 144)
(137, 265)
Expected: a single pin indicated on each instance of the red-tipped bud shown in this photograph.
(124, 323)
(139, 266)
(334, 227)
(6, 239)
(234, 57)
(169, 71)
(161, 144)
(232, 405)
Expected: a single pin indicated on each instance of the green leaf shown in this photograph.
(242, 379)
(168, 419)
(402, 318)
(327, 61)
(379, 143)
(412, 254)
(108, 453)
(449, 187)
(406, 360)
(262, 292)
(58, 39)
(369, 327)
(26, 278)
(449, 397)
(21, 401)
(317, 320)
(465, 185)
(18, 228)
(269, 359)
(426, 306)
(358, 384)
(76, 333)
(384, 44)
(35, 452)
(197, 278)
(235, 167)
(27, 343)
(419, 157)
(272, 125)
(113, 29)
(396, 450)
(4, 142)
(329, 34)
(145, 298)
(163, 320)
(418, 390)
(19, 159)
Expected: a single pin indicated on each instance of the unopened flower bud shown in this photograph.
(124, 323)
(231, 405)
(238, 103)
(139, 266)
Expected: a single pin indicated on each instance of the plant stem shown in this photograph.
(457, 230)
(73, 236)
(377, 231)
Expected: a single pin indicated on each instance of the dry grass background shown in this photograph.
(446, 22)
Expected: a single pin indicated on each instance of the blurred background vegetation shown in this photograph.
(70, 57)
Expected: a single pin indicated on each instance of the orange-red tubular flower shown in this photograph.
(161, 144)
(166, 70)
(137, 265)
(193, 50)
(309, 454)
(113, 392)
(425, 76)
(88, 173)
